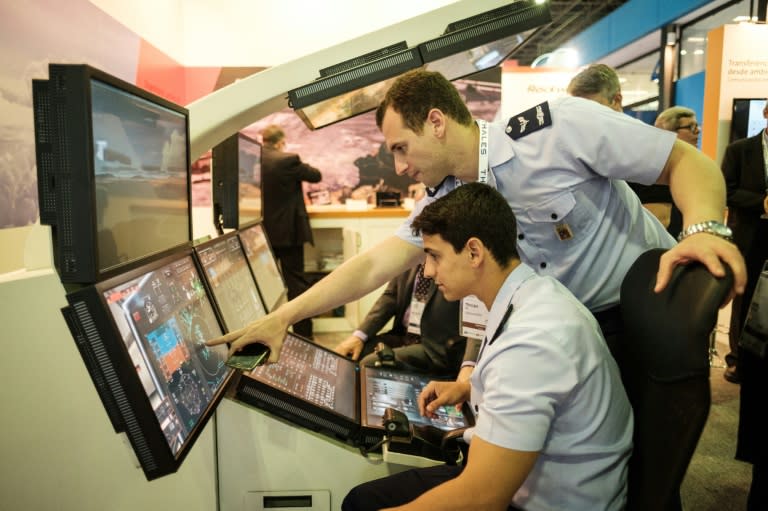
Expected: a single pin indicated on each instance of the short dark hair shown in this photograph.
(416, 92)
(472, 210)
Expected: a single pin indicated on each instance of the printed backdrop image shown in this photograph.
(351, 154)
(26, 48)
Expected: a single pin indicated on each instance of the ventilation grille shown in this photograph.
(261, 397)
(44, 138)
(108, 384)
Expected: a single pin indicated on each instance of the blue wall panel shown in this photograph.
(689, 91)
(628, 23)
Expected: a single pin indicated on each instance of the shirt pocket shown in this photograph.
(566, 218)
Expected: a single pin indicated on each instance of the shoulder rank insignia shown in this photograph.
(529, 121)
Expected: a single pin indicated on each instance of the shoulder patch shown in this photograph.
(529, 121)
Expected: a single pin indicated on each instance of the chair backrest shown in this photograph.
(664, 362)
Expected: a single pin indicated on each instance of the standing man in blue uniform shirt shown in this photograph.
(554, 425)
(561, 166)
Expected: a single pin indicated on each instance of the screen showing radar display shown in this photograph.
(263, 264)
(164, 317)
(231, 282)
(313, 374)
(386, 388)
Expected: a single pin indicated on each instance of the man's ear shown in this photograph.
(476, 250)
(436, 122)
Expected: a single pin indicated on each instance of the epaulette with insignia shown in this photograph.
(529, 121)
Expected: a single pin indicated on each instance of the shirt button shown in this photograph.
(521, 236)
(543, 265)
(554, 216)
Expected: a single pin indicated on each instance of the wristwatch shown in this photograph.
(714, 227)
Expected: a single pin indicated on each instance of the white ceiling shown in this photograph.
(248, 33)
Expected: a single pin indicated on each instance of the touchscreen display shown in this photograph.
(313, 374)
(234, 289)
(164, 318)
(263, 265)
(387, 388)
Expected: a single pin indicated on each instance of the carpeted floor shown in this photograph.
(716, 481)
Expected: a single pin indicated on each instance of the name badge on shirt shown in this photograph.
(414, 317)
(563, 231)
(528, 122)
(474, 316)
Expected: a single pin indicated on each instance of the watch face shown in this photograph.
(721, 229)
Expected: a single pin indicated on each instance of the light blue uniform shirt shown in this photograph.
(553, 387)
(577, 220)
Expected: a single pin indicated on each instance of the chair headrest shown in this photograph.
(668, 332)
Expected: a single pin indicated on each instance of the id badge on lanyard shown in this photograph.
(474, 315)
(414, 318)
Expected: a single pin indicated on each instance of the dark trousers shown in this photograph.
(754, 258)
(292, 265)
(399, 489)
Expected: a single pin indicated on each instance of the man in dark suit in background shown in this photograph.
(425, 331)
(285, 216)
(745, 167)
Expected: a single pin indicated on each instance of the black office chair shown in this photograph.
(664, 362)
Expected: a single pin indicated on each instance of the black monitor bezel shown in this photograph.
(113, 372)
(225, 183)
(740, 117)
(211, 291)
(260, 224)
(75, 234)
(300, 411)
(378, 429)
(480, 30)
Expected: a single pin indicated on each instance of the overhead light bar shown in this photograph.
(352, 87)
(483, 41)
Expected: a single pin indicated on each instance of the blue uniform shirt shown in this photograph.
(577, 220)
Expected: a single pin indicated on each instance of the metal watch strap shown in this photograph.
(710, 227)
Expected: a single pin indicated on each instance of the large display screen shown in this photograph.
(263, 265)
(747, 119)
(384, 388)
(313, 374)
(231, 281)
(140, 164)
(249, 171)
(164, 318)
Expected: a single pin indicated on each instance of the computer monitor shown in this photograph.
(747, 118)
(383, 388)
(120, 178)
(236, 178)
(310, 386)
(325, 392)
(263, 265)
(142, 338)
(231, 282)
(484, 41)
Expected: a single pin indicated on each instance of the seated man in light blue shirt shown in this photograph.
(554, 425)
